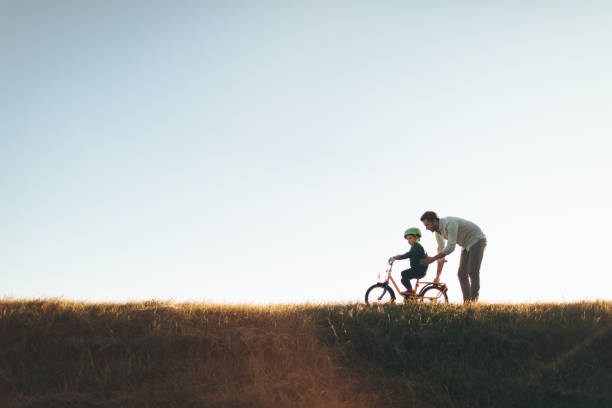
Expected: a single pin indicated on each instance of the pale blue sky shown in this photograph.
(275, 151)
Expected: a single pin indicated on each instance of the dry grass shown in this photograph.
(158, 354)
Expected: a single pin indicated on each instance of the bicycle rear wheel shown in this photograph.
(434, 294)
(379, 293)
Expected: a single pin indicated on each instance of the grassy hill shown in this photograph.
(156, 354)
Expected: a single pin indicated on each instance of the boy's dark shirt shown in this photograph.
(416, 253)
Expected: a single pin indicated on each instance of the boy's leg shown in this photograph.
(474, 262)
(406, 276)
(464, 280)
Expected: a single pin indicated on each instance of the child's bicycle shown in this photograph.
(382, 292)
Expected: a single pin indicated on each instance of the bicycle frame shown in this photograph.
(416, 286)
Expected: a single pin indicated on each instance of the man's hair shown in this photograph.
(429, 216)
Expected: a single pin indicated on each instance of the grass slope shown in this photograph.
(542, 355)
(155, 354)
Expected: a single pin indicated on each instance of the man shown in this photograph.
(457, 231)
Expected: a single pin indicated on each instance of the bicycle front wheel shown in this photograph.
(434, 294)
(379, 293)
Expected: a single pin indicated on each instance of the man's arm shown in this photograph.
(439, 271)
(452, 229)
(450, 243)
(441, 253)
(432, 259)
(440, 241)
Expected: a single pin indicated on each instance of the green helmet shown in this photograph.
(413, 231)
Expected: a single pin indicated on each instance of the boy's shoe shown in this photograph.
(408, 293)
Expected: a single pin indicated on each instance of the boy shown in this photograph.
(416, 253)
